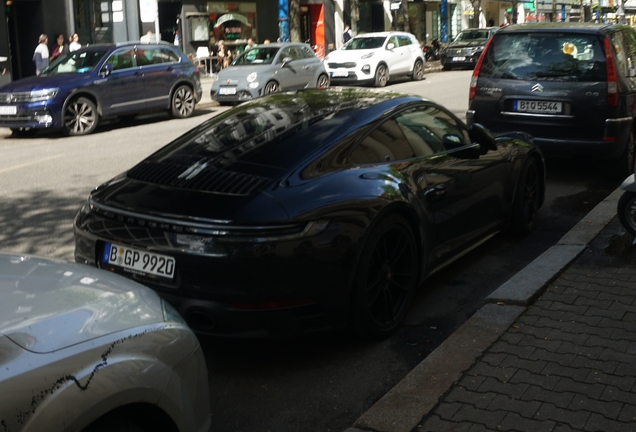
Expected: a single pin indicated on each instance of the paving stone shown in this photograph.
(509, 389)
(592, 363)
(625, 324)
(560, 399)
(629, 317)
(571, 290)
(540, 343)
(615, 394)
(584, 403)
(625, 383)
(478, 399)
(575, 338)
(589, 352)
(447, 410)
(480, 428)
(505, 347)
(528, 319)
(628, 414)
(539, 312)
(577, 374)
(562, 359)
(471, 382)
(512, 338)
(436, 424)
(612, 355)
(501, 373)
(515, 422)
(622, 334)
(575, 419)
(560, 427)
(591, 390)
(524, 408)
(597, 423)
(552, 296)
(601, 304)
(490, 419)
(589, 320)
(494, 359)
(525, 364)
(540, 380)
(622, 307)
(614, 345)
(594, 311)
(555, 324)
(536, 331)
(621, 298)
(623, 370)
(564, 307)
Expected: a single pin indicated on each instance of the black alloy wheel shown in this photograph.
(386, 278)
(183, 102)
(418, 70)
(381, 76)
(271, 87)
(627, 211)
(80, 117)
(323, 81)
(526, 202)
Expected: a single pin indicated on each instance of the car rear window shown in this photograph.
(546, 57)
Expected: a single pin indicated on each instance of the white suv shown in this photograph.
(375, 58)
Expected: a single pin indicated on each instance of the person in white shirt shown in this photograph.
(74, 43)
(41, 54)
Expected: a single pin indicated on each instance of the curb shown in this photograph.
(404, 406)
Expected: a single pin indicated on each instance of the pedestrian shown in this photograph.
(266, 41)
(149, 37)
(41, 54)
(74, 45)
(60, 47)
(250, 44)
(346, 36)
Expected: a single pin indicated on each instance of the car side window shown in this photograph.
(149, 56)
(285, 52)
(306, 52)
(169, 56)
(404, 41)
(123, 59)
(394, 41)
(386, 143)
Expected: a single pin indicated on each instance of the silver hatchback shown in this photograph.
(269, 68)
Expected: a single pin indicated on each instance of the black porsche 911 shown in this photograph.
(307, 211)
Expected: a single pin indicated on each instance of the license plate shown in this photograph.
(543, 107)
(459, 58)
(138, 261)
(8, 110)
(340, 73)
(227, 90)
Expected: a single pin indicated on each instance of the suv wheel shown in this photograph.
(183, 102)
(418, 70)
(80, 117)
(381, 76)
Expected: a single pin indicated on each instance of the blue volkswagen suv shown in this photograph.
(100, 81)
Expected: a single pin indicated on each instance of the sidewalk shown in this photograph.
(559, 359)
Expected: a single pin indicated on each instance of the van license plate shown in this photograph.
(541, 107)
(139, 261)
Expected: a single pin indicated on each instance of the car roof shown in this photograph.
(383, 34)
(586, 27)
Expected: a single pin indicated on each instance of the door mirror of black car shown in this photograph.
(106, 70)
(479, 134)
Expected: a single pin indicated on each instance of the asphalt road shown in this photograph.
(319, 383)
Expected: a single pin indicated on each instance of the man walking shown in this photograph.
(41, 54)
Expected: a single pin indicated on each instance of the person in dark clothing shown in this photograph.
(346, 35)
(60, 47)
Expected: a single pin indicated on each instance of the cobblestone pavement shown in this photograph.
(568, 363)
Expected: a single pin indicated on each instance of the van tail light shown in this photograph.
(612, 77)
(475, 77)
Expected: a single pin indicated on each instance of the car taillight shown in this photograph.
(612, 78)
(475, 77)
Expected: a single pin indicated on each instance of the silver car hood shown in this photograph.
(48, 305)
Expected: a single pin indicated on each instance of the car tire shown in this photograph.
(271, 87)
(418, 70)
(385, 279)
(183, 102)
(446, 67)
(323, 81)
(381, 76)
(526, 201)
(80, 117)
(626, 161)
(627, 211)
(113, 424)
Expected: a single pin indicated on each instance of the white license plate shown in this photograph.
(138, 261)
(340, 73)
(8, 110)
(459, 58)
(227, 90)
(543, 107)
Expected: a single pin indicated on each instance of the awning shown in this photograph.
(233, 17)
(630, 4)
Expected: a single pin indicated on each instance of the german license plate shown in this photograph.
(227, 90)
(8, 110)
(459, 58)
(138, 261)
(541, 107)
(340, 73)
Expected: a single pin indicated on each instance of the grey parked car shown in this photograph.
(82, 349)
(269, 68)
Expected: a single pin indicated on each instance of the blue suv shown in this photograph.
(101, 81)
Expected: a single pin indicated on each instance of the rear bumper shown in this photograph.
(609, 146)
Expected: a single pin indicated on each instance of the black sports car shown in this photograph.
(311, 210)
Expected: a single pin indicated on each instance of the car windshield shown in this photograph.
(546, 57)
(471, 35)
(365, 42)
(257, 55)
(75, 62)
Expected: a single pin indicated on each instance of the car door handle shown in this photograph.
(436, 191)
(307, 67)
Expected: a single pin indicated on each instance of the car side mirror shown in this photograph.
(390, 46)
(287, 60)
(479, 134)
(106, 70)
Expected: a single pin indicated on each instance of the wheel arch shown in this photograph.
(178, 84)
(93, 97)
(149, 415)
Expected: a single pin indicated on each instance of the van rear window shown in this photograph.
(546, 57)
